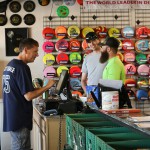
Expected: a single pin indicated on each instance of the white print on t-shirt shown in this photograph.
(6, 86)
(9, 68)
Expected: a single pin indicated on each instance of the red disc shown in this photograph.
(74, 45)
(130, 82)
(48, 33)
(101, 31)
(127, 45)
(129, 56)
(80, 2)
(142, 32)
(61, 45)
(62, 58)
(130, 69)
(75, 71)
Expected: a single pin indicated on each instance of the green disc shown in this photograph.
(62, 11)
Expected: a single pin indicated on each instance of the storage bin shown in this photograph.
(130, 144)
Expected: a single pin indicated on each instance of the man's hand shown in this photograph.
(50, 83)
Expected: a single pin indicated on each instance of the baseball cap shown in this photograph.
(111, 42)
(91, 36)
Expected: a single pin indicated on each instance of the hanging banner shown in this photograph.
(116, 4)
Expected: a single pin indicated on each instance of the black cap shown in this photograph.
(111, 42)
(91, 36)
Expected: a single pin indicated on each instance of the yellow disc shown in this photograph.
(86, 30)
(73, 31)
(114, 32)
(48, 59)
(60, 68)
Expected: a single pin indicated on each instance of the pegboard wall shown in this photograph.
(108, 18)
(92, 18)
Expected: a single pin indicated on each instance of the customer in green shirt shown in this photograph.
(114, 69)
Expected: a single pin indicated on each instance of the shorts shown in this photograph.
(20, 139)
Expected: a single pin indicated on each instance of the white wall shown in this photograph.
(35, 32)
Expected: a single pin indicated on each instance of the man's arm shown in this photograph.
(83, 81)
(37, 92)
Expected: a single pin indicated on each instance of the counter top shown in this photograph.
(125, 120)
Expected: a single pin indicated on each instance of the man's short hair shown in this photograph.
(91, 36)
(112, 43)
(28, 42)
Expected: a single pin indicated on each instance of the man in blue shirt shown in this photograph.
(18, 93)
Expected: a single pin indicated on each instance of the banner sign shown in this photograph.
(116, 4)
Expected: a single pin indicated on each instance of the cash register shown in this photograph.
(64, 103)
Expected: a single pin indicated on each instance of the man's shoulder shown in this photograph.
(91, 55)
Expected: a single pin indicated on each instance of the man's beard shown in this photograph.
(104, 57)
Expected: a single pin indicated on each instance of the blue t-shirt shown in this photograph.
(17, 81)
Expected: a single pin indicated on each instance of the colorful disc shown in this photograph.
(61, 45)
(62, 58)
(142, 32)
(75, 84)
(80, 2)
(75, 58)
(120, 56)
(86, 48)
(130, 69)
(142, 45)
(74, 45)
(15, 19)
(29, 6)
(130, 83)
(114, 32)
(129, 56)
(127, 45)
(75, 71)
(143, 70)
(48, 59)
(62, 11)
(3, 20)
(142, 95)
(49, 72)
(29, 19)
(101, 31)
(73, 31)
(141, 58)
(60, 32)
(48, 33)
(86, 30)
(48, 47)
(142, 83)
(69, 2)
(60, 68)
(15, 6)
(44, 2)
(127, 32)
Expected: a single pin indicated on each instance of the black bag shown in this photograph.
(3, 5)
(123, 95)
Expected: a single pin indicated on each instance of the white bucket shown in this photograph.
(110, 100)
